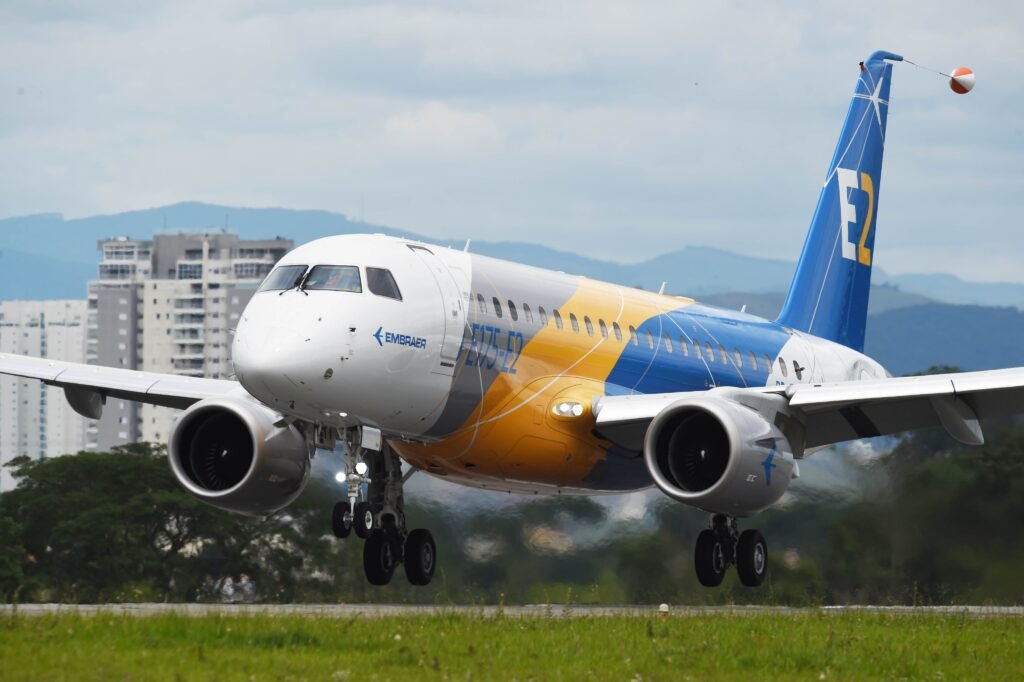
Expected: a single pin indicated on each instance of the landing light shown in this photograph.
(340, 477)
(568, 408)
(361, 468)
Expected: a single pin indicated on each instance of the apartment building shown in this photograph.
(35, 419)
(169, 305)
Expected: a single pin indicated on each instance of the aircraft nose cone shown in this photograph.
(272, 363)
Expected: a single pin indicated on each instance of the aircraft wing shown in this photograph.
(88, 386)
(836, 412)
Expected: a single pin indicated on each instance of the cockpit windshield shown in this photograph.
(284, 277)
(334, 278)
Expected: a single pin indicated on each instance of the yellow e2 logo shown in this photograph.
(848, 179)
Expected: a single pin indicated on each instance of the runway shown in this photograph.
(347, 611)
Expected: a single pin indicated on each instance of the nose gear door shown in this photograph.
(454, 309)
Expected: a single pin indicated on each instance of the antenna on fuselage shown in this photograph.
(466, 247)
(662, 289)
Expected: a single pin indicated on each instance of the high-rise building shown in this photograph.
(169, 305)
(35, 419)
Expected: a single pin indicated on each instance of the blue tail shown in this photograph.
(829, 293)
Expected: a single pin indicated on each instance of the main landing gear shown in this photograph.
(378, 518)
(722, 545)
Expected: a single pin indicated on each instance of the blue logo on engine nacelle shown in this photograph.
(768, 465)
(398, 339)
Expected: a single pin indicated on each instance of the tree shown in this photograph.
(12, 555)
(117, 527)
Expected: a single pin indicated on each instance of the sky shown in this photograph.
(618, 130)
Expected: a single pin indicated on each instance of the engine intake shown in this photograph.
(233, 454)
(716, 454)
(693, 450)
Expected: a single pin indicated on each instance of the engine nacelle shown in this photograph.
(237, 455)
(718, 455)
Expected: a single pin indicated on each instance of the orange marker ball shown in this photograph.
(962, 80)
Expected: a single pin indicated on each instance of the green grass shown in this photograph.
(801, 646)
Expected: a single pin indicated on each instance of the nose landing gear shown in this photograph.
(379, 516)
(722, 545)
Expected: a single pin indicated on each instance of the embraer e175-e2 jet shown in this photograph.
(516, 379)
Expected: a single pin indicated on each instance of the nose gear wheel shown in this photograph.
(363, 520)
(378, 517)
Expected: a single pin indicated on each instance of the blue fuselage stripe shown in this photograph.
(642, 369)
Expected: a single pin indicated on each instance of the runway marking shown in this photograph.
(527, 611)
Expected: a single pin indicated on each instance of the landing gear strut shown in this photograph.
(378, 516)
(722, 545)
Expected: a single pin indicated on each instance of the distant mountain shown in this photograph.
(969, 337)
(693, 270)
(52, 235)
(767, 305)
(62, 250)
(952, 289)
(30, 276)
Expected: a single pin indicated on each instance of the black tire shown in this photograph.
(752, 558)
(709, 558)
(339, 525)
(363, 520)
(420, 557)
(378, 558)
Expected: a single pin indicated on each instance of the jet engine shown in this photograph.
(718, 455)
(239, 456)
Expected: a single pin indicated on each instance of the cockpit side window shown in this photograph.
(334, 278)
(284, 277)
(381, 282)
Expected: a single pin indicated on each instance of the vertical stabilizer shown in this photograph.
(829, 293)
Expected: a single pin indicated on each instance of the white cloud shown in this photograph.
(437, 128)
(615, 128)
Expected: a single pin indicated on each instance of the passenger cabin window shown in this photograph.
(668, 343)
(604, 329)
(782, 366)
(512, 312)
(710, 351)
(650, 339)
(558, 318)
(618, 331)
(632, 336)
(527, 313)
(334, 278)
(543, 316)
(723, 354)
(767, 363)
(696, 349)
(481, 303)
(683, 346)
(497, 305)
(737, 356)
(798, 370)
(283, 278)
(574, 322)
(382, 283)
(753, 361)
(589, 325)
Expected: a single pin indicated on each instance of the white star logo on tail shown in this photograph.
(875, 99)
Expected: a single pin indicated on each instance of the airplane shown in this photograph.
(517, 379)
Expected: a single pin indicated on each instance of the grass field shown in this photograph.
(802, 646)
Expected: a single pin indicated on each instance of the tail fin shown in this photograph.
(829, 293)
